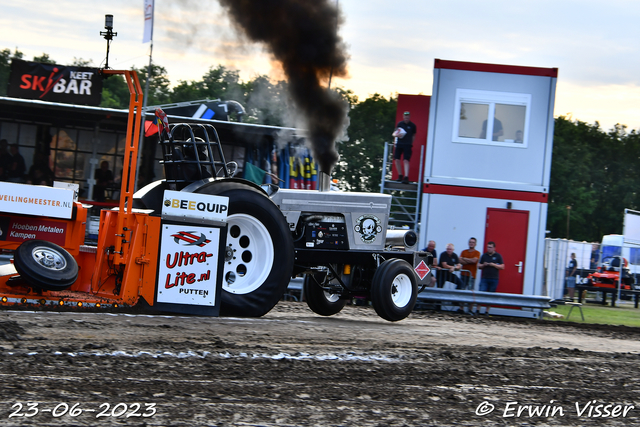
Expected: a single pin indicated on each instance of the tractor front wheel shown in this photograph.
(394, 290)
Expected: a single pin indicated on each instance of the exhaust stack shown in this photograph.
(324, 181)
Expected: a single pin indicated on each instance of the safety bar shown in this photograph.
(484, 298)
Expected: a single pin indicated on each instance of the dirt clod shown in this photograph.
(10, 331)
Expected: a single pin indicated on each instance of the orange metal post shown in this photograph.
(125, 219)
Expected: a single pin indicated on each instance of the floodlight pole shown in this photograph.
(108, 36)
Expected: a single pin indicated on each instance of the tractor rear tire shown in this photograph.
(45, 265)
(394, 290)
(320, 301)
(256, 276)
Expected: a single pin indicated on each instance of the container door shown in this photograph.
(508, 229)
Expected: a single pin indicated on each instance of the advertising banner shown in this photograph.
(178, 204)
(20, 229)
(188, 269)
(55, 83)
(36, 200)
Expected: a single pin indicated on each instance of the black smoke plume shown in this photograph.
(302, 35)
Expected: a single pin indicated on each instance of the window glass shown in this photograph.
(78, 174)
(106, 142)
(64, 139)
(609, 251)
(494, 118)
(27, 155)
(117, 170)
(472, 117)
(28, 135)
(63, 164)
(9, 131)
(121, 146)
(85, 140)
(87, 167)
(512, 118)
(63, 154)
(635, 256)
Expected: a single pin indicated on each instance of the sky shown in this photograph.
(392, 45)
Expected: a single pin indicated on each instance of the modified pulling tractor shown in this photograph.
(203, 242)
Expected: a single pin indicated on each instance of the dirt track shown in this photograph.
(293, 368)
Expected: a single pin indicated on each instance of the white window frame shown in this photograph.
(490, 98)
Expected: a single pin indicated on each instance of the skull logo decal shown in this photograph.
(368, 226)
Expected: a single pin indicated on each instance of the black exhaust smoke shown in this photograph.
(302, 35)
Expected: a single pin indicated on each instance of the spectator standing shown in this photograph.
(469, 259)
(40, 173)
(5, 159)
(404, 146)
(572, 272)
(449, 264)
(431, 248)
(490, 263)
(17, 167)
(104, 179)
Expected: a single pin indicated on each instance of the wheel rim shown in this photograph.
(249, 256)
(48, 258)
(401, 290)
(331, 297)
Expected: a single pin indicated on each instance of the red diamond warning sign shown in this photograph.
(422, 270)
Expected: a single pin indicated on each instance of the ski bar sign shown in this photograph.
(188, 265)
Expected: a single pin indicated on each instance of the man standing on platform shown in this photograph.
(404, 146)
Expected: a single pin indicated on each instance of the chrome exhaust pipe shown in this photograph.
(406, 238)
(324, 181)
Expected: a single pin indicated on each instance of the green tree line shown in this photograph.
(593, 171)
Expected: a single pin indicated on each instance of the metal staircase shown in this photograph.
(405, 198)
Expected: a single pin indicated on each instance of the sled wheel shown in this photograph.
(259, 259)
(394, 290)
(320, 301)
(45, 265)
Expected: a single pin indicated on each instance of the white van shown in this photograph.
(614, 245)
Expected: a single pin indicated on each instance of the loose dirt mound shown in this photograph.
(294, 368)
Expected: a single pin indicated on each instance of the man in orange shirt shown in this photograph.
(469, 260)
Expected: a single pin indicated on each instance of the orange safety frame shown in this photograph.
(127, 185)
